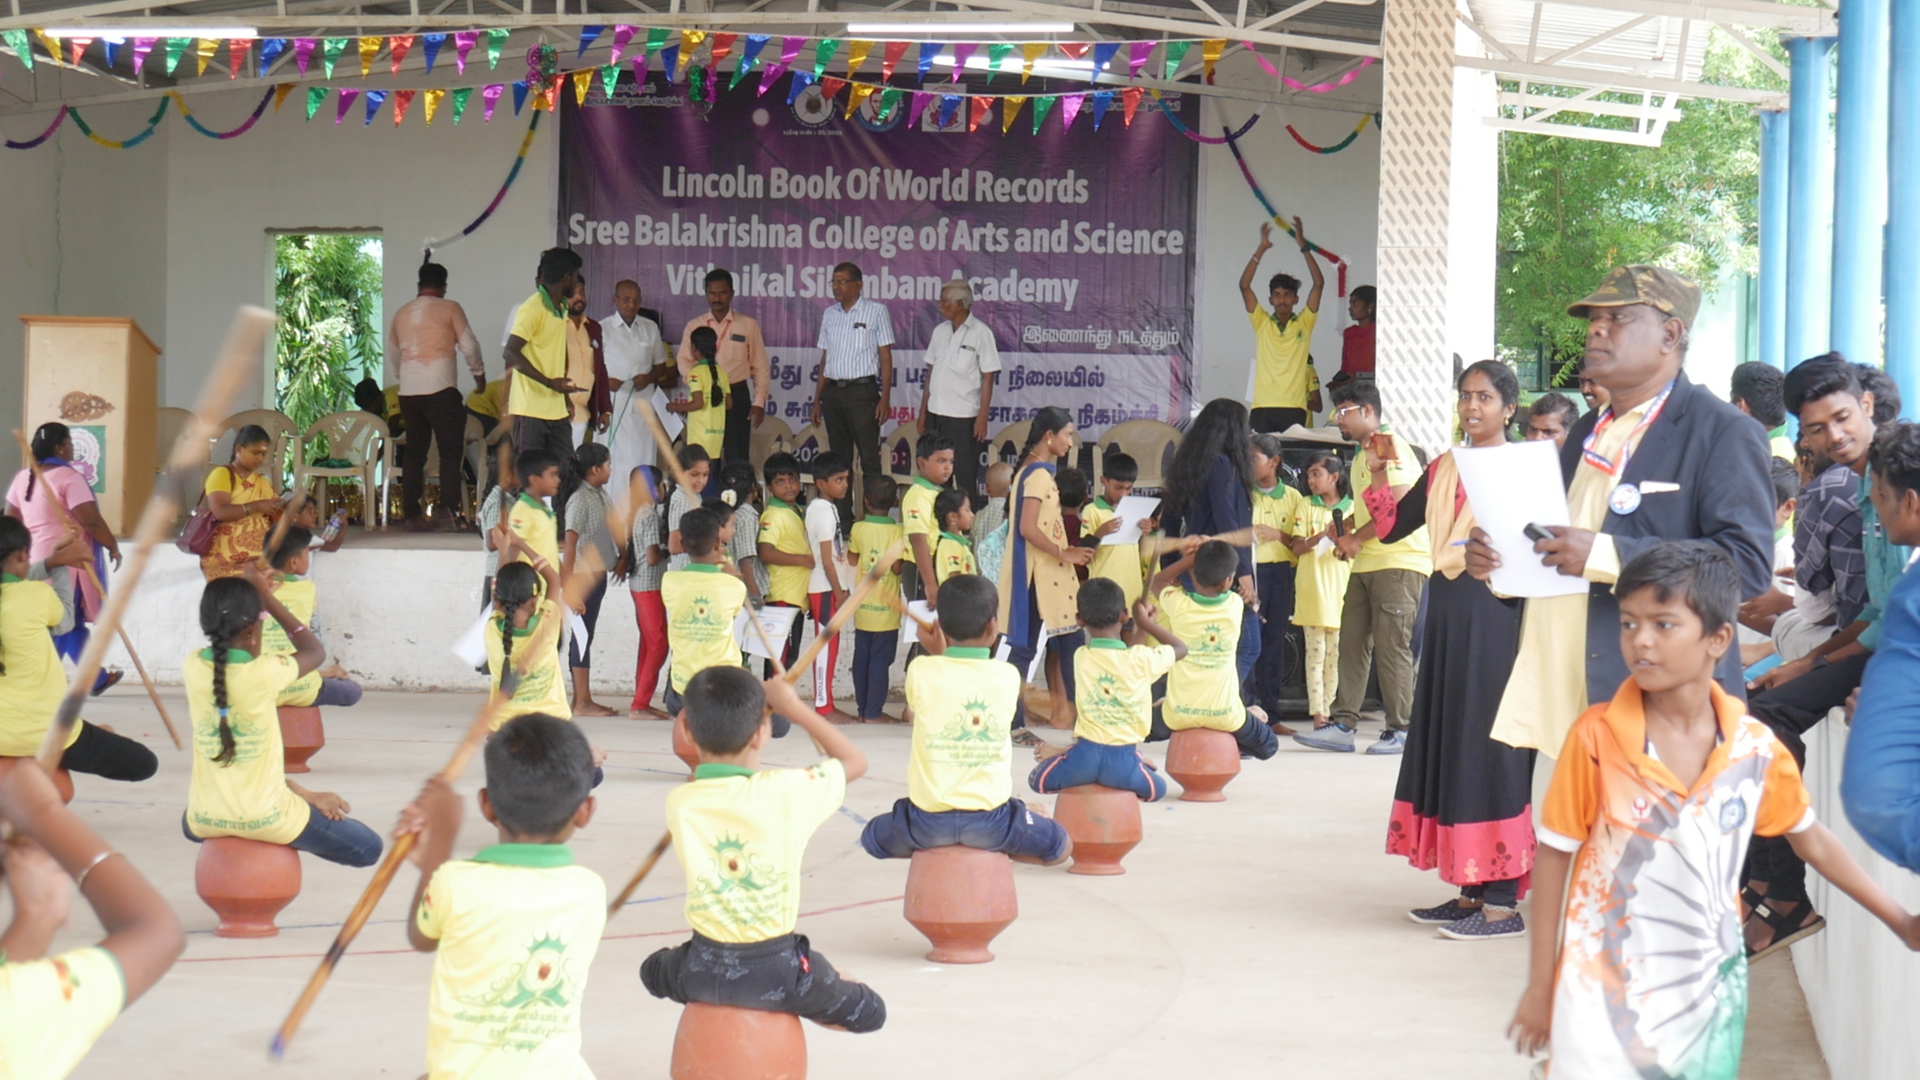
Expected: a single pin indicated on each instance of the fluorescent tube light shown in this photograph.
(121, 33)
(962, 28)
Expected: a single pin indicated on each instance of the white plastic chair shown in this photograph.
(1151, 444)
(278, 426)
(359, 438)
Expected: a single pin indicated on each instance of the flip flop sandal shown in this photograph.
(1785, 930)
(114, 675)
(1023, 737)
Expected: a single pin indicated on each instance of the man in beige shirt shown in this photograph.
(426, 334)
(590, 404)
(742, 357)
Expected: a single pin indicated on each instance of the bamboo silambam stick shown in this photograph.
(633, 883)
(236, 361)
(40, 480)
(1236, 538)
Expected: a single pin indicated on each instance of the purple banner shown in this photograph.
(1079, 244)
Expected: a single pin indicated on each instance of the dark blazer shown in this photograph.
(600, 400)
(1224, 506)
(1717, 457)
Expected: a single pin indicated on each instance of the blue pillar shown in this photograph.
(1773, 237)
(1860, 181)
(1809, 201)
(1903, 215)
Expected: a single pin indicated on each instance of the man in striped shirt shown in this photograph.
(856, 371)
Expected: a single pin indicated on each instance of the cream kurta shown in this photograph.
(1055, 581)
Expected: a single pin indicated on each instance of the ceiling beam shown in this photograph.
(1572, 131)
(1811, 21)
(1614, 80)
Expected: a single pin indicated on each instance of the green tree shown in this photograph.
(1570, 209)
(327, 295)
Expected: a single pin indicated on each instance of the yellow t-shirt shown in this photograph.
(707, 427)
(740, 836)
(963, 703)
(1320, 585)
(781, 526)
(916, 513)
(1118, 563)
(1280, 359)
(518, 926)
(1203, 690)
(1276, 507)
(542, 688)
(702, 601)
(545, 334)
(300, 598)
(248, 796)
(1114, 690)
(869, 539)
(533, 523)
(34, 683)
(53, 1010)
(953, 555)
(490, 402)
(1411, 553)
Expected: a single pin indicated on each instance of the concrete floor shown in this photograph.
(1262, 937)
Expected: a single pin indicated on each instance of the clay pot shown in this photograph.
(1203, 761)
(1104, 823)
(302, 735)
(960, 898)
(246, 883)
(720, 1042)
(683, 747)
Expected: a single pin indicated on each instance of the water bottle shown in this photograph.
(334, 523)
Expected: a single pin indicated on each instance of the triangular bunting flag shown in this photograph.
(270, 51)
(430, 49)
(303, 53)
(609, 78)
(22, 46)
(1009, 108)
(830, 87)
(962, 52)
(822, 53)
(496, 40)
(920, 101)
(995, 54)
(401, 100)
(801, 80)
(1070, 108)
(621, 35)
(1210, 51)
(462, 45)
(519, 97)
(890, 56)
(981, 106)
(1176, 52)
(203, 51)
(52, 45)
(460, 97)
(588, 35)
(770, 74)
(552, 94)
(1102, 101)
(330, 51)
(656, 37)
(346, 102)
(315, 95)
(175, 47)
(949, 104)
(1031, 51)
(433, 104)
(1137, 55)
(928, 50)
(690, 43)
(722, 48)
(1103, 55)
(670, 62)
(397, 47)
(861, 91)
(375, 99)
(1130, 103)
(889, 101)
(280, 95)
(112, 46)
(1042, 106)
(369, 48)
(748, 58)
(582, 81)
(142, 48)
(488, 97)
(1074, 50)
(78, 48)
(237, 49)
(856, 55)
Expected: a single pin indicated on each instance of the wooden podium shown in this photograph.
(97, 376)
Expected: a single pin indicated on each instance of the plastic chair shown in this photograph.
(168, 423)
(773, 436)
(1151, 444)
(473, 450)
(284, 433)
(1010, 442)
(359, 438)
(896, 450)
(808, 442)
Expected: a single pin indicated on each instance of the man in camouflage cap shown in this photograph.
(1663, 460)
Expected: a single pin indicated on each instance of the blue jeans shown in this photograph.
(1010, 828)
(1249, 654)
(346, 842)
(872, 660)
(337, 693)
(1276, 611)
(1254, 737)
(1089, 762)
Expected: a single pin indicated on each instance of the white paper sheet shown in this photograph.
(669, 420)
(471, 647)
(1133, 512)
(776, 621)
(919, 610)
(1508, 487)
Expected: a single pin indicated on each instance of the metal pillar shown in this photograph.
(1809, 201)
(1773, 237)
(1903, 215)
(1860, 181)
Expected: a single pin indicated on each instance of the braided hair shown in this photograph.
(514, 585)
(48, 438)
(227, 608)
(14, 538)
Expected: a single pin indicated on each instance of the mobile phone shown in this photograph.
(1536, 533)
(1382, 446)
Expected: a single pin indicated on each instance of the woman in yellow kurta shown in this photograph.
(243, 503)
(1039, 588)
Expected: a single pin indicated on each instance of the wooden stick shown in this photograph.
(40, 479)
(846, 611)
(659, 849)
(1236, 538)
(238, 358)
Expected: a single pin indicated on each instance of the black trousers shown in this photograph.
(966, 452)
(443, 416)
(846, 408)
(780, 974)
(1274, 421)
(1790, 711)
(98, 752)
(738, 443)
(554, 436)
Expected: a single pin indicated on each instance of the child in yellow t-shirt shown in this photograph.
(706, 401)
(53, 1008)
(783, 544)
(960, 770)
(933, 466)
(1274, 505)
(526, 618)
(1320, 584)
(291, 562)
(954, 553)
(530, 518)
(239, 785)
(1118, 563)
(514, 928)
(1114, 699)
(1203, 689)
(702, 602)
(740, 833)
(876, 625)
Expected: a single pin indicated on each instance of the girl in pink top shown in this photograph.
(39, 507)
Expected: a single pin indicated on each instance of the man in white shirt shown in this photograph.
(427, 333)
(957, 392)
(637, 360)
(856, 370)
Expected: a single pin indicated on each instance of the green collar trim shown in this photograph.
(535, 503)
(958, 539)
(718, 770)
(533, 622)
(1106, 643)
(969, 652)
(531, 856)
(234, 656)
(702, 567)
(782, 504)
(1269, 491)
(879, 519)
(1210, 601)
(553, 308)
(1100, 502)
(921, 481)
(9, 579)
(1343, 505)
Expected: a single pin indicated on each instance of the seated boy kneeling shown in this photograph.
(291, 561)
(1655, 796)
(960, 771)
(1114, 699)
(1203, 690)
(740, 832)
(514, 929)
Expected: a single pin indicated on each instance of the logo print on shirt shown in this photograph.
(1733, 814)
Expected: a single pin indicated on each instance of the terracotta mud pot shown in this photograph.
(246, 883)
(301, 734)
(720, 1042)
(1104, 823)
(960, 898)
(1204, 761)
